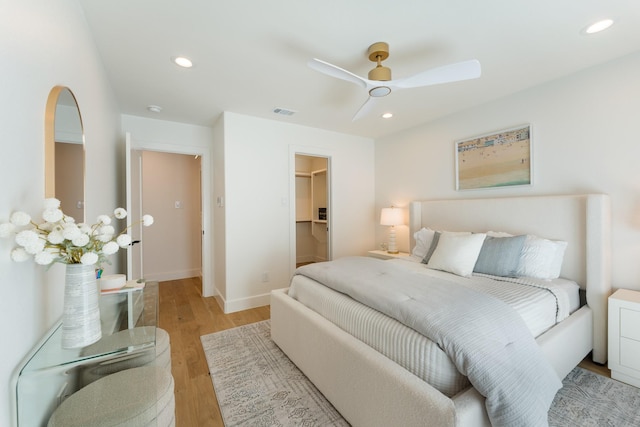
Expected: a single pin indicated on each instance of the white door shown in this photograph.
(134, 209)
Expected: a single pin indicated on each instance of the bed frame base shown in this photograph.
(369, 389)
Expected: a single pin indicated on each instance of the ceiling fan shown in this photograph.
(379, 83)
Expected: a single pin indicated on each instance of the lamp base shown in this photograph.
(391, 247)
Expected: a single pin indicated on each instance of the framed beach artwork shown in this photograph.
(499, 159)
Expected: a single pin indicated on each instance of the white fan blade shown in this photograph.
(337, 72)
(447, 73)
(366, 107)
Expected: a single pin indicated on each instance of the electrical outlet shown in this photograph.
(265, 277)
(178, 204)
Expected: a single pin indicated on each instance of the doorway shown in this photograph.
(171, 193)
(312, 209)
(134, 148)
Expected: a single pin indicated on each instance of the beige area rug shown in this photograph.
(257, 385)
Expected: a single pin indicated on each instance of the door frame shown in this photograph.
(208, 288)
(312, 152)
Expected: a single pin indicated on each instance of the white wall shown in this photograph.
(585, 139)
(42, 44)
(260, 201)
(219, 216)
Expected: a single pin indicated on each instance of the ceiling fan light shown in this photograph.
(380, 91)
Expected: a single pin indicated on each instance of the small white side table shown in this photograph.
(624, 336)
(386, 255)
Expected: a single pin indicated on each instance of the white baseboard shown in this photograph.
(173, 275)
(231, 306)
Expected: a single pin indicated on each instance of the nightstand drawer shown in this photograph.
(630, 353)
(630, 324)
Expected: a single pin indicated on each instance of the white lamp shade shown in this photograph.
(391, 216)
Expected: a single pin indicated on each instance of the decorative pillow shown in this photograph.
(500, 256)
(434, 243)
(423, 237)
(541, 258)
(432, 247)
(457, 253)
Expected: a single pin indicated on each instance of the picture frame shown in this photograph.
(495, 160)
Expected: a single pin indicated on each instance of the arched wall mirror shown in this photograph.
(64, 152)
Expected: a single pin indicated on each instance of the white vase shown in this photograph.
(81, 312)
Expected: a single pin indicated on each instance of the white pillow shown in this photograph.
(556, 265)
(457, 253)
(541, 258)
(423, 237)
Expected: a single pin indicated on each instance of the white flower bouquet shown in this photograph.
(60, 239)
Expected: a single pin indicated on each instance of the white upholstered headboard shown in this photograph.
(584, 221)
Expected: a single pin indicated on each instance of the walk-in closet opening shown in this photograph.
(313, 210)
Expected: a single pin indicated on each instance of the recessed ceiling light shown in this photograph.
(182, 61)
(387, 115)
(154, 108)
(599, 26)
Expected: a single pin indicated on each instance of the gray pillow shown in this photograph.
(500, 256)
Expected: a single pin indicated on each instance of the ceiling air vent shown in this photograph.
(283, 111)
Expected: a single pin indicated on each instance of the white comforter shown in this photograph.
(485, 338)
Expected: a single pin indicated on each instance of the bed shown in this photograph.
(371, 389)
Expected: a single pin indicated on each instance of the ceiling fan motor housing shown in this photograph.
(380, 73)
(378, 52)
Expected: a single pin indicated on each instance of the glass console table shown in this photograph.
(51, 373)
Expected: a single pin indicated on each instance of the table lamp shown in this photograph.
(391, 217)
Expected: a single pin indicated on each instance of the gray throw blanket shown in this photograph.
(484, 337)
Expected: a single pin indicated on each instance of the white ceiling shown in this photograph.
(251, 56)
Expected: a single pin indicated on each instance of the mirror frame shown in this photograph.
(50, 140)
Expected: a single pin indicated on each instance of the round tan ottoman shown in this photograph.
(134, 397)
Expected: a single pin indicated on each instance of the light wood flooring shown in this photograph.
(186, 315)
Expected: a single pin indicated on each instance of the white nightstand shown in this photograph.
(386, 255)
(624, 336)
